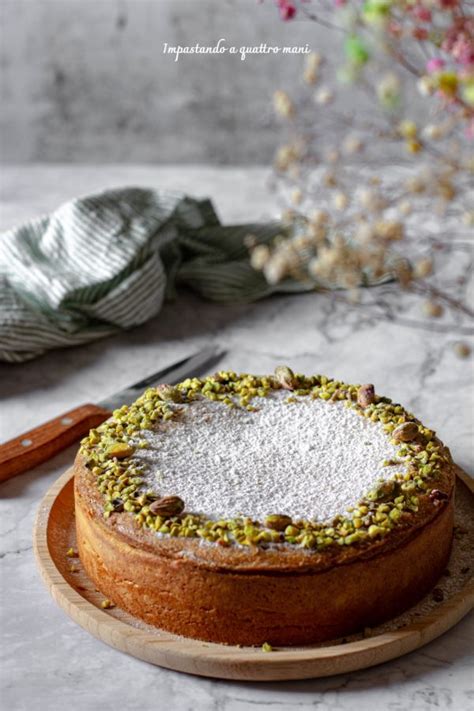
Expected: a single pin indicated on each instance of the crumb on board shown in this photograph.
(107, 604)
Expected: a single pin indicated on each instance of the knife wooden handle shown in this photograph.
(40, 444)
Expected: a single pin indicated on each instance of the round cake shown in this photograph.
(282, 509)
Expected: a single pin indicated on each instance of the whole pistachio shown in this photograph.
(168, 393)
(366, 395)
(167, 506)
(285, 377)
(405, 432)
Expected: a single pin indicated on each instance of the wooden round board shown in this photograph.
(54, 534)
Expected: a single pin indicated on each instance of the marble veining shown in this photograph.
(48, 662)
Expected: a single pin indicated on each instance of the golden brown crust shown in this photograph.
(249, 595)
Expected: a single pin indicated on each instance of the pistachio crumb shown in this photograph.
(107, 604)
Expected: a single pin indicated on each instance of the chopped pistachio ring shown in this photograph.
(109, 451)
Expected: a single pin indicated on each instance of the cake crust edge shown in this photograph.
(235, 595)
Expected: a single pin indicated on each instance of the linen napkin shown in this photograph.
(107, 262)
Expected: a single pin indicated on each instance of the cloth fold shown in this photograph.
(107, 262)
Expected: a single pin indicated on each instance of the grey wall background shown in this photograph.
(87, 81)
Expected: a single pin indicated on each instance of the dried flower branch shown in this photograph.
(411, 64)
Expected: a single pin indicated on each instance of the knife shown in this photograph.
(40, 444)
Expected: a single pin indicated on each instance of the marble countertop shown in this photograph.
(51, 663)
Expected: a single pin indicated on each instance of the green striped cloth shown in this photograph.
(107, 262)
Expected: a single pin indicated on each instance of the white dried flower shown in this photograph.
(349, 279)
(389, 230)
(330, 179)
(445, 188)
(310, 76)
(432, 132)
(371, 200)
(319, 217)
(340, 200)
(260, 256)
(433, 309)
(317, 233)
(423, 268)
(403, 272)
(468, 218)
(324, 96)
(296, 196)
(364, 232)
(302, 243)
(285, 155)
(313, 267)
(283, 104)
(313, 60)
(352, 144)
(405, 207)
(426, 85)
(462, 350)
(415, 184)
(275, 269)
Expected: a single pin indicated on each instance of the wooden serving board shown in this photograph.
(54, 534)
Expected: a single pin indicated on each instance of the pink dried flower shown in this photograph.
(463, 50)
(459, 41)
(434, 65)
(420, 33)
(423, 14)
(287, 10)
(395, 29)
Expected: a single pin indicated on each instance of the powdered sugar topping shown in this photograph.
(309, 459)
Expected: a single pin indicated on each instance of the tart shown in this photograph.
(283, 509)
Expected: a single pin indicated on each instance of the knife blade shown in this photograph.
(41, 443)
(191, 365)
